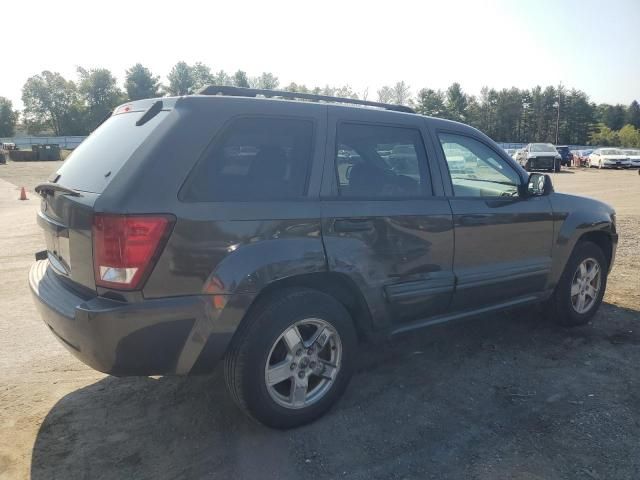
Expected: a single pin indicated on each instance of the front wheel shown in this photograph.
(292, 359)
(581, 287)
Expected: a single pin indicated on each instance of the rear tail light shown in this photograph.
(126, 247)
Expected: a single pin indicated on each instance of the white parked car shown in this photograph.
(608, 158)
(542, 156)
(634, 156)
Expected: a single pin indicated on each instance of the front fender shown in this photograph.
(575, 217)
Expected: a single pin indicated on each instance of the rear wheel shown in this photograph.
(581, 287)
(293, 359)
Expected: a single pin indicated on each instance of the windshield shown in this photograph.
(631, 152)
(611, 151)
(542, 147)
(98, 159)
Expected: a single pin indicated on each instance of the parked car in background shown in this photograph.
(510, 151)
(633, 155)
(581, 157)
(245, 252)
(565, 155)
(608, 158)
(539, 156)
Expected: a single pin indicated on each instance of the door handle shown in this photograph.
(352, 225)
(471, 220)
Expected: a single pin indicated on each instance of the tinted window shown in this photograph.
(95, 162)
(476, 170)
(379, 161)
(255, 159)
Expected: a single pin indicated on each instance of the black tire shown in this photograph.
(559, 305)
(556, 166)
(249, 352)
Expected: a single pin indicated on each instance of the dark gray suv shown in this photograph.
(276, 234)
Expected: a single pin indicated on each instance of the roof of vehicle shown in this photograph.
(231, 91)
(295, 99)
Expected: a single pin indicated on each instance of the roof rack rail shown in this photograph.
(230, 91)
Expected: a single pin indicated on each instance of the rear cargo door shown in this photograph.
(69, 198)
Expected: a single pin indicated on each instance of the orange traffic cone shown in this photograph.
(23, 194)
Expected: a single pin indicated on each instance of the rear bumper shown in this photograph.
(176, 335)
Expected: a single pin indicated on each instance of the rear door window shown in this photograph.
(95, 162)
(379, 161)
(255, 159)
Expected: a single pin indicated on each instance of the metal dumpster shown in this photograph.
(47, 151)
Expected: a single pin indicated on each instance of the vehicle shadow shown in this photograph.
(445, 402)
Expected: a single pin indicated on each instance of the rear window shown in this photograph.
(261, 158)
(95, 162)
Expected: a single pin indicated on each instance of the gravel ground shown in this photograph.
(505, 396)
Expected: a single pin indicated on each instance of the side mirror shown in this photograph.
(539, 185)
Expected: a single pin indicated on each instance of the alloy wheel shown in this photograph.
(585, 285)
(303, 363)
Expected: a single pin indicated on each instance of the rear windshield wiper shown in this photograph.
(43, 188)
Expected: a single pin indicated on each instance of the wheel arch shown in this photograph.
(337, 285)
(602, 239)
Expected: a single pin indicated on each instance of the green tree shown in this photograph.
(400, 93)
(430, 102)
(385, 94)
(268, 81)
(99, 94)
(456, 103)
(141, 83)
(633, 114)
(240, 79)
(604, 136)
(629, 136)
(222, 78)
(8, 118)
(345, 92)
(181, 80)
(51, 103)
(613, 116)
(202, 76)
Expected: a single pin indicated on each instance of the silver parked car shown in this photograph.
(608, 158)
(633, 155)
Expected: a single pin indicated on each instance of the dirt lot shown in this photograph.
(507, 396)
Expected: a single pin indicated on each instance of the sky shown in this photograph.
(591, 45)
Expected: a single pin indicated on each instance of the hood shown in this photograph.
(587, 203)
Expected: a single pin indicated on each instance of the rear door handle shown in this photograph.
(474, 219)
(352, 225)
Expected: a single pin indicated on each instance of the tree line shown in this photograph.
(59, 106)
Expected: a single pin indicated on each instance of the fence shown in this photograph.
(69, 142)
